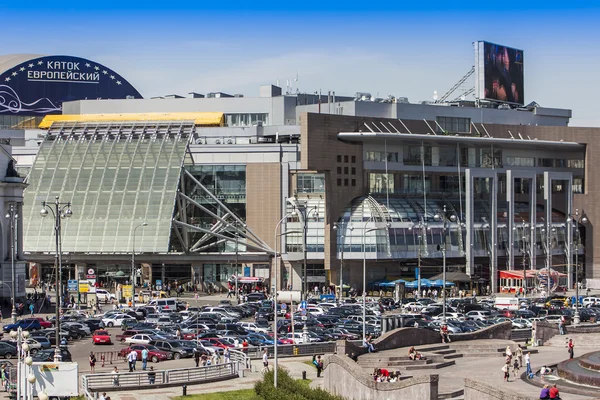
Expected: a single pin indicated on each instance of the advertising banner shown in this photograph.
(499, 73)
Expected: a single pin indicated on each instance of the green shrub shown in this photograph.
(289, 389)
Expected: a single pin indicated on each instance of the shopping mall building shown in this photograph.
(212, 175)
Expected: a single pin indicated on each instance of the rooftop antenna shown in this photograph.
(297, 90)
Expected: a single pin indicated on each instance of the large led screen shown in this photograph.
(499, 73)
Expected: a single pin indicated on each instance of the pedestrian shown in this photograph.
(516, 368)
(506, 370)
(102, 396)
(519, 353)
(144, 358)
(561, 325)
(227, 355)
(215, 359)
(545, 393)
(151, 376)
(102, 360)
(571, 348)
(197, 357)
(131, 358)
(92, 362)
(265, 360)
(554, 392)
(319, 364)
(115, 376)
(528, 363)
(31, 307)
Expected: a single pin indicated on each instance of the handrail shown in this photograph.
(241, 357)
(93, 383)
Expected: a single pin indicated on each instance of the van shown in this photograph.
(507, 303)
(168, 304)
(589, 301)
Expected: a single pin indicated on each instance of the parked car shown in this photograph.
(140, 338)
(101, 337)
(104, 295)
(27, 324)
(154, 354)
(116, 320)
(175, 347)
(48, 355)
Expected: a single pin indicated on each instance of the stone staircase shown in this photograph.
(586, 341)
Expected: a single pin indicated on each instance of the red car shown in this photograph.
(154, 354)
(286, 340)
(44, 323)
(101, 337)
(218, 343)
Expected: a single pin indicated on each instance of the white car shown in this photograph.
(413, 307)
(251, 326)
(104, 295)
(140, 338)
(478, 315)
(116, 320)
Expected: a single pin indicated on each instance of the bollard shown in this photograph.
(303, 375)
(184, 387)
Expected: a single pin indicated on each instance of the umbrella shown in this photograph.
(415, 284)
(392, 283)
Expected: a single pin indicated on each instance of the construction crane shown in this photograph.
(456, 86)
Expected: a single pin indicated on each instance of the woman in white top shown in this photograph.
(265, 359)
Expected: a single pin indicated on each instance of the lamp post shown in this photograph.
(133, 265)
(59, 211)
(549, 230)
(237, 272)
(364, 294)
(342, 228)
(525, 253)
(23, 356)
(445, 218)
(13, 216)
(577, 219)
(422, 232)
(276, 274)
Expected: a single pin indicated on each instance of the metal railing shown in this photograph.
(241, 357)
(292, 350)
(94, 383)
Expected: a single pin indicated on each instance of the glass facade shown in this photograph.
(453, 125)
(246, 119)
(114, 182)
(311, 183)
(315, 227)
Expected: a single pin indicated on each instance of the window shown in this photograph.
(447, 156)
(353, 159)
(578, 185)
(346, 182)
(339, 170)
(380, 156)
(339, 158)
(310, 183)
(489, 159)
(414, 183)
(453, 125)
(520, 161)
(381, 183)
(576, 163)
(412, 155)
(353, 182)
(246, 119)
(346, 170)
(353, 170)
(339, 181)
(345, 159)
(449, 183)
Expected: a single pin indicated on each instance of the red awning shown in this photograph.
(516, 274)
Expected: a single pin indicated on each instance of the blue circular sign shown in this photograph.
(39, 86)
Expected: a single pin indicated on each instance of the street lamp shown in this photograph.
(275, 254)
(445, 219)
(133, 266)
(342, 228)
(549, 231)
(525, 253)
(23, 356)
(364, 250)
(583, 220)
(59, 211)
(422, 235)
(13, 216)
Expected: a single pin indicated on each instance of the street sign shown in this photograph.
(283, 306)
(91, 272)
(303, 305)
(83, 287)
(159, 284)
(72, 285)
(126, 291)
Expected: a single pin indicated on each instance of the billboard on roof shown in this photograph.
(39, 86)
(499, 73)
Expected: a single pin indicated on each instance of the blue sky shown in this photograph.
(384, 48)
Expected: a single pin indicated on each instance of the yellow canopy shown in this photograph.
(199, 118)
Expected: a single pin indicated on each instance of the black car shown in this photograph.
(48, 355)
(264, 313)
(7, 350)
(255, 296)
(92, 323)
(176, 347)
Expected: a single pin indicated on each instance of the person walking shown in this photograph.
(265, 360)
(561, 325)
(319, 364)
(519, 354)
(144, 358)
(115, 377)
(197, 357)
(571, 348)
(506, 370)
(516, 368)
(528, 363)
(151, 376)
(92, 362)
(131, 358)
(227, 355)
